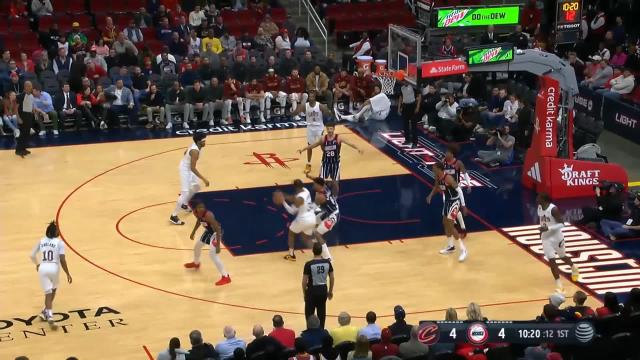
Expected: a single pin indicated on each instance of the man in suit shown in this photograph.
(66, 105)
(25, 118)
(183, 29)
(489, 37)
(122, 102)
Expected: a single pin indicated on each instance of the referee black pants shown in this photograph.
(410, 120)
(315, 301)
(25, 132)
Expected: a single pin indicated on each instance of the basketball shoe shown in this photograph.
(575, 273)
(192, 265)
(448, 250)
(224, 280)
(463, 256)
(175, 220)
(307, 168)
(290, 257)
(43, 315)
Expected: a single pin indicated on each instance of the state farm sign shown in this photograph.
(444, 68)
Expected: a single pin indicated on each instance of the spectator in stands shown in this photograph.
(267, 345)
(204, 29)
(44, 64)
(361, 350)
(531, 18)
(271, 62)
(287, 64)
(196, 16)
(603, 51)
(188, 76)
(319, 82)
(196, 101)
(579, 309)
(124, 48)
(4, 61)
(133, 33)
(447, 49)
(254, 95)
(109, 32)
(307, 64)
(67, 107)
(539, 352)
(178, 46)
(240, 52)
(218, 27)
(503, 141)
(214, 98)
(269, 27)
(17, 9)
(301, 348)
(86, 101)
(615, 230)
(12, 67)
(302, 38)
(413, 347)
(372, 330)
(175, 102)
(75, 31)
(123, 74)
(200, 350)
(164, 31)
(62, 43)
(95, 59)
(385, 347)
(273, 86)
(447, 114)
(122, 104)
(633, 302)
(344, 332)
(102, 49)
(361, 47)
(597, 26)
(10, 113)
(112, 60)
(610, 203)
(159, 15)
(183, 29)
(228, 42)
(296, 90)
(41, 8)
(489, 36)
(246, 40)
(239, 69)
(520, 39)
(263, 41)
(254, 69)
(342, 87)
(400, 326)
(174, 352)
(195, 44)
(282, 41)
(15, 84)
(611, 305)
(285, 336)
(216, 45)
(621, 85)
(226, 347)
(143, 18)
(577, 64)
(232, 94)
(62, 61)
(314, 335)
(619, 58)
(44, 111)
(511, 108)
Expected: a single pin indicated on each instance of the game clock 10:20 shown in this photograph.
(569, 11)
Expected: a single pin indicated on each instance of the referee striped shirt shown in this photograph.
(318, 271)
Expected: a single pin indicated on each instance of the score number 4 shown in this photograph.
(453, 334)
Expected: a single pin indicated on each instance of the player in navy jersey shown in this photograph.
(453, 203)
(455, 168)
(212, 236)
(328, 215)
(331, 145)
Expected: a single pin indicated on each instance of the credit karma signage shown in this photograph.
(499, 15)
(490, 55)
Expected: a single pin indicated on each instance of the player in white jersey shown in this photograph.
(551, 225)
(52, 250)
(303, 208)
(189, 176)
(314, 112)
(376, 108)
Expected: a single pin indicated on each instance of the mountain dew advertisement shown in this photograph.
(500, 15)
(490, 55)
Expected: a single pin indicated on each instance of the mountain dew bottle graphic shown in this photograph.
(454, 18)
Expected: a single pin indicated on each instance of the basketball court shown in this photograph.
(131, 294)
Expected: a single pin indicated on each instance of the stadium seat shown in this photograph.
(20, 25)
(609, 325)
(100, 7)
(344, 347)
(75, 7)
(399, 339)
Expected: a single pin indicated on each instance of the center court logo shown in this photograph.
(269, 159)
(579, 178)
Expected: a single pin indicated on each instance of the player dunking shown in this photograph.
(329, 213)
(453, 203)
(455, 168)
(376, 108)
(331, 145)
(212, 236)
(52, 250)
(315, 125)
(302, 207)
(189, 176)
(551, 225)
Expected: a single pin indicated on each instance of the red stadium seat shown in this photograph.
(100, 7)
(19, 25)
(46, 22)
(75, 6)
(279, 15)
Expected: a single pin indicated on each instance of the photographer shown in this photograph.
(609, 204)
(617, 230)
(467, 120)
(503, 153)
(447, 115)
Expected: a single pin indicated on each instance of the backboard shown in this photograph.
(404, 52)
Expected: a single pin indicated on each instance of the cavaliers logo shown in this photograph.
(428, 333)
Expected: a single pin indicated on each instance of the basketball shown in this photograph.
(399, 75)
(277, 197)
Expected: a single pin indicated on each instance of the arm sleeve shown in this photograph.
(34, 252)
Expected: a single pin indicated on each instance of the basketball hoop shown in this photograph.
(387, 80)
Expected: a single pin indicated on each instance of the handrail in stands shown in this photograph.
(312, 14)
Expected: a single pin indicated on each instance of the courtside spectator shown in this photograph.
(603, 72)
(152, 104)
(196, 102)
(328, 352)
(633, 303)
(372, 330)
(511, 108)
(10, 113)
(447, 114)
(615, 230)
(226, 347)
(44, 111)
(314, 335)
(493, 117)
(385, 347)
(301, 349)
(269, 27)
(264, 344)
(285, 336)
(86, 102)
(361, 351)
(122, 103)
(413, 347)
(67, 107)
(474, 313)
(611, 305)
(537, 352)
(609, 205)
(400, 326)
(200, 350)
(174, 352)
(451, 315)
(619, 58)
(621, 85)
(503, 153)
(263, 41)
(282, 41)
(62, 61)
(175, 102)
(577, 65)
(579, 309)
(344, 332)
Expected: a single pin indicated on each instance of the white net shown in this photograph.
(388, 82)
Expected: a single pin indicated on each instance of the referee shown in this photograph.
(25, 118)
(314, 284)
(409, 108)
